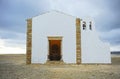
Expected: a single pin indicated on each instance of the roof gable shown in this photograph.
(53, 11)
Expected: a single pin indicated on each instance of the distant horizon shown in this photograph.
(25, 52)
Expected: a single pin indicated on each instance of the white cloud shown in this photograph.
(115, 48)
(11, 50)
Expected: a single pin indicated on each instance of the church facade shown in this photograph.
(56, 36)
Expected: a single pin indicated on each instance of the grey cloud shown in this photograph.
(13, 38)
(113, 36)
(11, 35)
(13, 19)
(114, 5)
(105, 12)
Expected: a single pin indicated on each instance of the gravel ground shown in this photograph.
(14, 67)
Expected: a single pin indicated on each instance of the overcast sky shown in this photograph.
(13, 14)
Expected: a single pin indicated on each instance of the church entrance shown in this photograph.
(54, 48)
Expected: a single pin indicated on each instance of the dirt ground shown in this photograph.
(14, 67)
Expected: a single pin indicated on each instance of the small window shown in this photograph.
(84, 25)
(90, 25)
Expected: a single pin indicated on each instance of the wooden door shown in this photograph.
(54, 50)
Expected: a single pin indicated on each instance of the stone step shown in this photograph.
(54, 62)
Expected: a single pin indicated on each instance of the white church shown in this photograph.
(56, 36)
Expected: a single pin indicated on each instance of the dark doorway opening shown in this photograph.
(54, 50)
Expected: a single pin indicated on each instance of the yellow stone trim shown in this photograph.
(29, 41)
(78, 41)
(55, 37)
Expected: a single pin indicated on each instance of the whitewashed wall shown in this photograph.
(93, 49)
(53, 24)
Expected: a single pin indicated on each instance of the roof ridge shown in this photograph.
(52, 11)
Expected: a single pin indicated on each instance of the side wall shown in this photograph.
(53, 24)
(93, 49)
